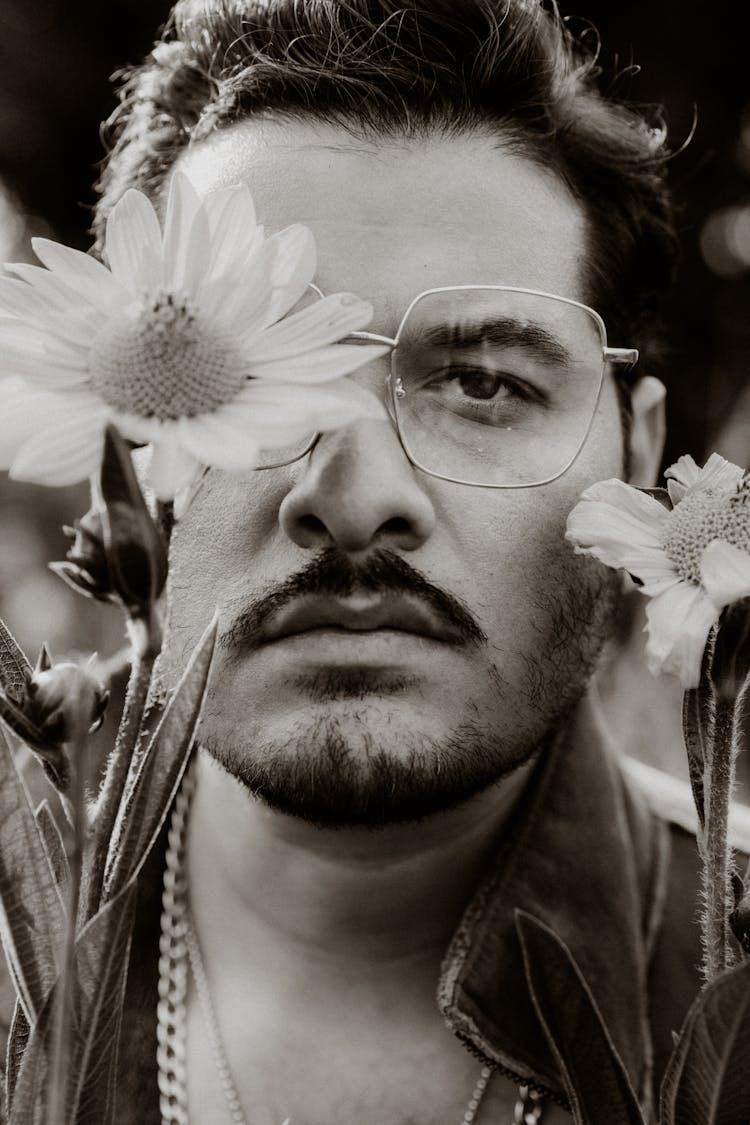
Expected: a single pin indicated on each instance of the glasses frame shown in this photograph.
(624, 358)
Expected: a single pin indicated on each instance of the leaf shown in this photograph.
(593, 1073)
(694, 732)
(21, 725)
(149, 799)
(102, 955)
(698, 717)
(102, 975)
(15, 669)
(16, 1045)
(32, 916)
(53, 843)
(706, 1080)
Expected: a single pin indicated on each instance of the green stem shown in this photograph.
(717, 856)
(113, 786)
(147, 638)
(77, 750)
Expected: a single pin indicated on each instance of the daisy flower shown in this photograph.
(188, 339)
(691, 561)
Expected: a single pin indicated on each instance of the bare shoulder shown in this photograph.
(671, 799)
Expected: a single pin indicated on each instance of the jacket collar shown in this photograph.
(580, 858)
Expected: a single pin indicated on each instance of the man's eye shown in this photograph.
(480, 384)
(490, 385)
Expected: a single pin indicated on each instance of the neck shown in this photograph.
(263, 879)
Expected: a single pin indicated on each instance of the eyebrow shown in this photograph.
(497, 332)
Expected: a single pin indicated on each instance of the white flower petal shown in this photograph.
(717, 473)
(42, 360)
(133, 243)
(185, 235)
(292, 269)
(44, 373)
(233, 230)
(74, 331)
(48, 307)
(623, 528)
(172, 467)
(323, 365)
(231, 296)
(340, 403)
(678, 624)
(311, 409)
(25, 410)
(231, 209)
(69, 449)
(685, 471)
(33, 303)
(725, 573)
(81, 272)
(220, 441)
(259, 425)
(135, 428)
(318, 325)
(676, 491)
(239, 298)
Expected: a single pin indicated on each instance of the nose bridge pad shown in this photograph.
(389, 402)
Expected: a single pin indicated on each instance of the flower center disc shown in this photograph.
(700, 518)
(162, 360)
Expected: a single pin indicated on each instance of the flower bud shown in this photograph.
(66, 697)
(135, 549)
(118, 553)
(60, 703)
(86, 569)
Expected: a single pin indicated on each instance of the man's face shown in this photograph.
(358, 716)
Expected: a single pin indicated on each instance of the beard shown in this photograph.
(352, 761)
(334, 776)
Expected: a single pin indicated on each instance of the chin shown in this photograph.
(335, 774)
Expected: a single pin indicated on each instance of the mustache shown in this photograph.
(334, 574)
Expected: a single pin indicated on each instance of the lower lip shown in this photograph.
(382, 647)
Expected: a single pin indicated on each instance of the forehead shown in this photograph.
(393, 217)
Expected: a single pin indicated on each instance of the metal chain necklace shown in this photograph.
(179, 953)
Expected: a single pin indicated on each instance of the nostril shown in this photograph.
(397, 524)
(312, 524)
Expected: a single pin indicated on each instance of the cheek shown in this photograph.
(515, 560)
(509, 548)
(216, 553)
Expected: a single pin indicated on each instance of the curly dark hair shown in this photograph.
(405, 69)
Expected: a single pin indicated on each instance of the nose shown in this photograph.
(358, 491)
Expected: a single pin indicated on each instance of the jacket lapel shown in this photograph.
(580, 859)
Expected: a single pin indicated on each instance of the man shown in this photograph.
(398, 752)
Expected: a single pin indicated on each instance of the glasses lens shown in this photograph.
(496, 386)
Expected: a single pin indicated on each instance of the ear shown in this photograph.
(647, 432)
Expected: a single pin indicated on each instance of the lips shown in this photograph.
(361, 614)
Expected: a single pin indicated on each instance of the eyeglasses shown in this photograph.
(490, 385)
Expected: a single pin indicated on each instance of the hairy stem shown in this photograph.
(716, 852)
(147, 639)
(62, 1039)
(114, 782)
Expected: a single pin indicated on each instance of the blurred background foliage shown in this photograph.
(56, 59)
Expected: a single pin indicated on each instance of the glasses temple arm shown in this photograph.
(621, 356)
(368, 338)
